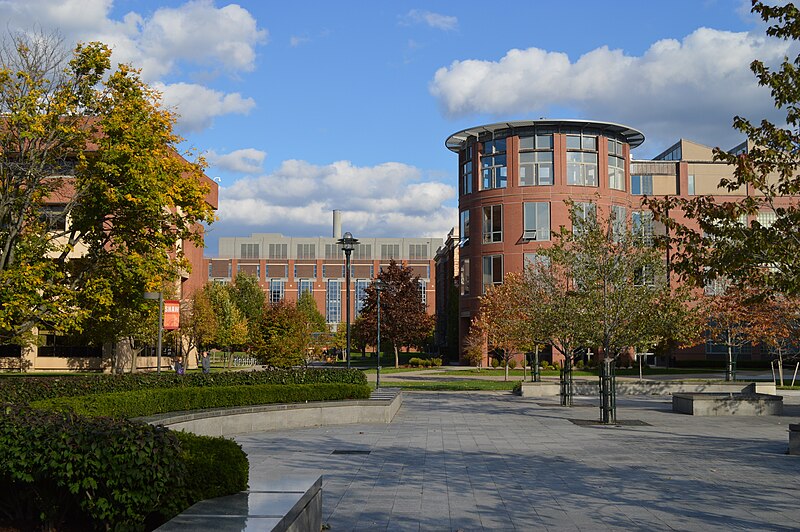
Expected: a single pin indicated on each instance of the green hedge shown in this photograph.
(24, 389)
(160, 400)
(215, 467)
(90, 473)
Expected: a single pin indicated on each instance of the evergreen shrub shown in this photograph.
(24, 389)
(140, 403)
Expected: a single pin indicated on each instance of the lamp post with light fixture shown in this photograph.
(160, 297)
(379, 286)
(348, 244)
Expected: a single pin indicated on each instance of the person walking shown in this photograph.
(179, 369)
(205, 362)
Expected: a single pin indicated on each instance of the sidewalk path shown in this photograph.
(494, 461)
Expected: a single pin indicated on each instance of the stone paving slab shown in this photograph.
(494, 461)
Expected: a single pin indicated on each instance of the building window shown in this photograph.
(306, 251)
(494, 172)
(618, 222)
(276, 287)
(582, 160)
(642, 227)
(766, 218)
(642, 185)
(423, 291)
(249, 251)
(690, 184)
(210, 275)
(584, 213)
(464, 277)
(492, 224)
(492, 271)
(278, 251)
(362, 252)
(616, 165)
(54, 216)
(361, 294)
(464, 228)
(333, 251)
(418, 251)
(333, 302)
(305, 285)
(673, 155)
(390, 251)
(536, 221)
(466, 172)
(535, 259)
(536, 167)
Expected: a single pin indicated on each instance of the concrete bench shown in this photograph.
(727, 404)
(794, 438)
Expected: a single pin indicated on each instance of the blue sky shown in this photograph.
(305, 107)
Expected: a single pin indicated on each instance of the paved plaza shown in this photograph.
(494, 461)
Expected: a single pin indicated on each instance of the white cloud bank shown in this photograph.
(691, 88)
(195, 35)
(390, 199)
(244, 161)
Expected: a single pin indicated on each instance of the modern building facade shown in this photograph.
(288, 266)
(514, 179)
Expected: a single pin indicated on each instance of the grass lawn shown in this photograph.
(453, 386)
(392, 369)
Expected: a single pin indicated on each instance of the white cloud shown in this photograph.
(433, 20)
(297, 40)
(390, 199)
(197, 105)
(201, 33)
(245, 161)
(691, 88)
(181, 39)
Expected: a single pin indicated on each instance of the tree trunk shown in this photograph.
(506, 368)
(780, 366)
(396, 355)
(729, 368)
(134, 355)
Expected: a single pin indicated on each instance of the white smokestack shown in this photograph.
(337, 224)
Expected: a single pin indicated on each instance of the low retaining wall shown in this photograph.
(727, 404)
(232, 421)
(649, 387)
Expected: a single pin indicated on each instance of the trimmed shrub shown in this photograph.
(156, 401)
(23, 389)
(415, 362)
(90, 473)
(214, 466)
(495, 363)
(436, 362)
(512, 364)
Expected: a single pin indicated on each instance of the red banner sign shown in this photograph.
(172, 314)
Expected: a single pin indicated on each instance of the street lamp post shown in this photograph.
(379, 285)
(348, 244)
(160, 297)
